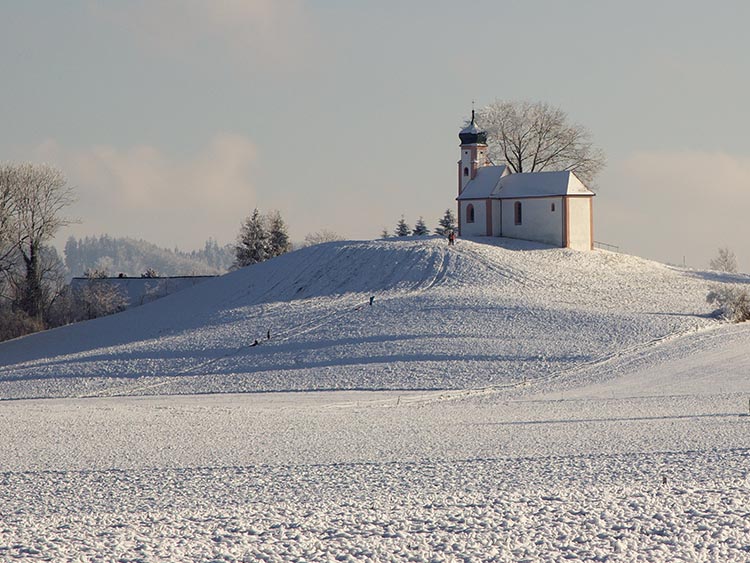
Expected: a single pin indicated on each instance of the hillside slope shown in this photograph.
(493, 312)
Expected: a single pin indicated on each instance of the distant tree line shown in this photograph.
(446, 224)
(134, 257)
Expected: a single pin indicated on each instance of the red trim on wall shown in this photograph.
(488, 209)
(458, 216)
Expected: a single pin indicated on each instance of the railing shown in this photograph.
(605, 246)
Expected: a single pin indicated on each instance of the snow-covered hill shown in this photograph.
(587, 408)
(491, 312)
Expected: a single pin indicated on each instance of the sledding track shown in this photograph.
(492, 314)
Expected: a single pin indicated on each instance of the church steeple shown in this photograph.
(473, 152)
(471, 134)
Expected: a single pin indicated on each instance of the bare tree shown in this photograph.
(98, 298)
(726, 261)
(532, 137)
(321, 236)
(33, 198)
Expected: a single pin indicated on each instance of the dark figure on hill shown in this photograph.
(451, 238)
(255, 343)
(268, 334)
(372, 298)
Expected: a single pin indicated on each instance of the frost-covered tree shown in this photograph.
(732, 301)
(420, 228)
(726, 261)
(402, 229)
(446, 223)
(535, 136)
(321, 236)
(97, 298)
(32, 198)
(278, 237)
(384, 234)
(253, 244)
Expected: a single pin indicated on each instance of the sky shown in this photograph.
(173, 119)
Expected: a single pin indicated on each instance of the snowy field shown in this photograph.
(496, 403)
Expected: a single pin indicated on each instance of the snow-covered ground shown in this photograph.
(498, 401)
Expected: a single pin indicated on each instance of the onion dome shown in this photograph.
(471, 134)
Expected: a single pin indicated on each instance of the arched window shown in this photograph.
(518, 213)
(466, 171)
(470, 213)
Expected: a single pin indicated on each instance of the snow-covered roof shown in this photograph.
(484, 183)
(471, 128)
(540, 184)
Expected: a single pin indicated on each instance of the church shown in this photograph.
(554, 208)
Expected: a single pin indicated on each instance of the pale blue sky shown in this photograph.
(174, 119)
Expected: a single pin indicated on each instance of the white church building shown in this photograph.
(554, 208)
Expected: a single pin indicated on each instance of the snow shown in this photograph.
(500, 401)
(538, 184)
(485, 182)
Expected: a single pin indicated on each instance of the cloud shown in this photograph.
(670, 204)
(144, 193)
(266, 33)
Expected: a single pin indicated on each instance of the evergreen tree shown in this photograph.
(402, 229)
(447, 223)
(420, 229)
(278, 236)
(253, 244)
(385, 234)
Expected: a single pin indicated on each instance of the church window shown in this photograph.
(518, 213)
(553, 207)
(470, 213)
(466, 171)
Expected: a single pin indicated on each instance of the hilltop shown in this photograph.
(497, 313)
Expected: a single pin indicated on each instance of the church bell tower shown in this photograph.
(473, 153)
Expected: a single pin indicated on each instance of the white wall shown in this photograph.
(497, 218)
(479, 227)
(539, 222)
(579, 223)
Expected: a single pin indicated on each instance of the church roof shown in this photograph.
(540, 184)
(498, 183)
(484, 183)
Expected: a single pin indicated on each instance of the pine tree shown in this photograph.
(253, 245)
(278, 236)
(402, 229)
(447, 223)
(420, 229)
(385, 234)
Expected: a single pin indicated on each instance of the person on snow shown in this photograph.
(372, 298)
(451, 238)
(255, 343)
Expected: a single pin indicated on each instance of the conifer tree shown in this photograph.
(253, 244)
(420, 229)
(447, 223)
(402, 229)
(385, 234)
(278, 236)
